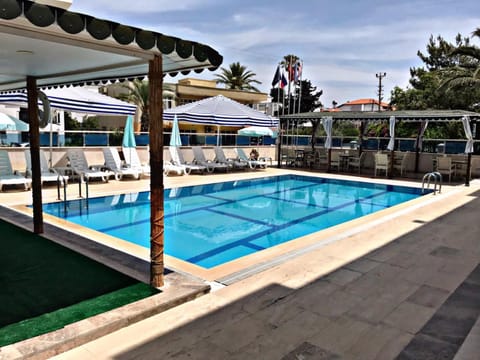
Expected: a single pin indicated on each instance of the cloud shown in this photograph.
(342, 46)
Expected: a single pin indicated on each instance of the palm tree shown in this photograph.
(138, 95)
(467, 72)
(237, 77)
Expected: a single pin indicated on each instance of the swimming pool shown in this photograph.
(209, 225)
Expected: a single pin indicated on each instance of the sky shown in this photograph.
(343, 44)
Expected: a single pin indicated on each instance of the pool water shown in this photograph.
(209, 225)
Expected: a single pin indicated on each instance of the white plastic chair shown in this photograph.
(8, 176)
(381, 163)
(445, 166)
(47, 174)
(114, 164)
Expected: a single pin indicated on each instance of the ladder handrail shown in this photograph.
(436, 176)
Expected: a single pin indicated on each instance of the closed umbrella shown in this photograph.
(391, 142)
(175, 139)
(128, 135)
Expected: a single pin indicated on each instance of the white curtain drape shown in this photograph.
(391, 142)
(419, 140)
(327, 123)
(468, 134)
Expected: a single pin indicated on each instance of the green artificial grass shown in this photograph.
(45, 286)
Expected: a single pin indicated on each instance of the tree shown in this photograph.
(465, 74)
(237, 77)
(427, 84)
(138, 94)
(308, 95)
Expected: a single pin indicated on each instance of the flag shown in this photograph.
(298, 71)
(276, 77)
(291, 74)
(283, 82)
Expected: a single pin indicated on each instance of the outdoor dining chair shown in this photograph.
(445, 166)
(381, 163)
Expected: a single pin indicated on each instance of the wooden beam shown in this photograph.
(155, 78)
(34, 133)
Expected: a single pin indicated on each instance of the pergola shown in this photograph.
(418, 116)
(43, 46)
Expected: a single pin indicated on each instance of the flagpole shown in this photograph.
(300, 84)
(278, 92)
(289, 82)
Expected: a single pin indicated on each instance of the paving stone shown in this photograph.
(308, 351)
(332, 305)
(409, 317)
(343, 276)
(362, 265)
(341, 334)
(423, 347)
(428, 296)
(445, 252)
(236, 335)
(373, 309)
(379, 342)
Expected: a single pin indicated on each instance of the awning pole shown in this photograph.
(34, 133)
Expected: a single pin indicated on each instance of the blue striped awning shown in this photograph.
(75, 99)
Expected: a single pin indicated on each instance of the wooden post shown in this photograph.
(155, 78)
(392, 161)
(34, 133)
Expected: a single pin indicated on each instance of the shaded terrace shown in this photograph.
(422, 117)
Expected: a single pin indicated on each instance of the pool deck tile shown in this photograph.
(295, 307)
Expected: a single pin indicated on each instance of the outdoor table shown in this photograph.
(344, 159)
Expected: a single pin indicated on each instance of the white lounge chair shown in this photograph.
(169, 168)
(200, 159)
(232, 163)
(253, 164)
(132, 159)
(79, 165)
(47, 174)
(8, 176)
(178, 160)
(114, 164)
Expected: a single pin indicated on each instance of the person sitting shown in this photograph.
(254, 154)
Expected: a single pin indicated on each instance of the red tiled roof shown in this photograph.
(364, 101)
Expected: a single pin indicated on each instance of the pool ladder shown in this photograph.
(437, 178)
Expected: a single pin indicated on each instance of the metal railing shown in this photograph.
(85, 138)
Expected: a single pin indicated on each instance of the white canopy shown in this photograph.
(76, 99)
(221, 111)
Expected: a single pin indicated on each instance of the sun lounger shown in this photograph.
(132, 159)
(232, 163)
(47, 173)
(79, 165)
(169, 168)
(8, 176)
(199, 158)
(253, 164)
(114, 164)
(178, 160)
